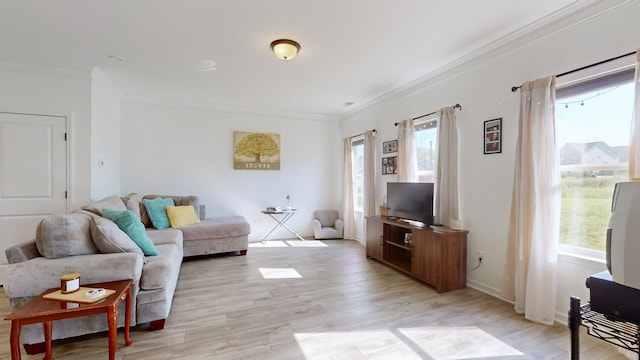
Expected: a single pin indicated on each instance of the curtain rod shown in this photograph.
(456, 106)
(515, 88)
(362, 133)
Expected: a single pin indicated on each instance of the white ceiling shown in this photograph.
(352, 50)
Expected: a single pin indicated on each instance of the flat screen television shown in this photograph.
(623, 235)
(411, 201)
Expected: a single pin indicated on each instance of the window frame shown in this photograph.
(357, 141)
(426, 124)
(588, 80)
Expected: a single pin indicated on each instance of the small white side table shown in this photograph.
(286, 215)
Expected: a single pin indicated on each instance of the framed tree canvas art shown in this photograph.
(256, 151)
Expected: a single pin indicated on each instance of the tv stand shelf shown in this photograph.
(617, 332)
(436, 255)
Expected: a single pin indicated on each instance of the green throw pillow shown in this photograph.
(128, 223)
(157, 210)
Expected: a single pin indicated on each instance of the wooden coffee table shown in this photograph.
(39, 310)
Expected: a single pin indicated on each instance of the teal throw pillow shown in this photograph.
(128, 223)
(157, 210)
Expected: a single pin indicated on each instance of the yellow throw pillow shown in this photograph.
(182, 215)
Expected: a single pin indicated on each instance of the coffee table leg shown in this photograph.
(112, 320)
(127, 319)
(15, 340)
(47, 340)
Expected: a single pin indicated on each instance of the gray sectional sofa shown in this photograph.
(85, 242)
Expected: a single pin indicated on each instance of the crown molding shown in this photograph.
(36, 65)
(570, 16)
(227, 109)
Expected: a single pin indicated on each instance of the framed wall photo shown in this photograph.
(493, 136)
(389, 165)
(389, 146)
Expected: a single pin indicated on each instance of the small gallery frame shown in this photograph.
(493, 136)
(389, 165)
(389, 146)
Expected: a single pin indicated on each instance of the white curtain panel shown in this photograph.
(530, 277)
(369, 173)
(634, 149)
(347, 194)
(407, 159)
(446, 184)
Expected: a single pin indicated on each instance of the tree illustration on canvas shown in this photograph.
(256, 151)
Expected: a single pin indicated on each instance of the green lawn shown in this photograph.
(586, 209)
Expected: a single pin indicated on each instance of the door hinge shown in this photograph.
(65, 136)
(65, 194)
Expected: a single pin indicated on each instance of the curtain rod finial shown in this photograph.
(515, 88)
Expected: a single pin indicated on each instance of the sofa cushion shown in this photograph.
(109, 238)
(158, 270)
(132, 202)
(182, 215)
(180, 200)
(219, 227)
(111, 202)
(132, 227)
(157, 210)
(59, 236)
(327, 217)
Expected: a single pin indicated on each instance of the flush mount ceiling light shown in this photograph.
(285, 49)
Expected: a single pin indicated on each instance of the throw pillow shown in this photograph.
(111, 202)
(157, 210)
(109, 238)
(132, 202)
(128, 223)
(59, 236)
(182, 215)
(144, 216)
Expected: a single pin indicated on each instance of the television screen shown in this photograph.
(412, 201)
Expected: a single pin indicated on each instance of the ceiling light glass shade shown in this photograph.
(285, 49)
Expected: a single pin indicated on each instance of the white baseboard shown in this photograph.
(560, 318)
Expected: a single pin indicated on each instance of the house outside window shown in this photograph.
(426, 149)
(593, 122)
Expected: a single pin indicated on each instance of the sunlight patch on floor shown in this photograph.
(287, 243)
(279, 273)
(306, 243)
(438, 343)
(466, 342)
(268, 244)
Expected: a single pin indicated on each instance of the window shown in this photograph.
(426, 149)
(357, 156)
(593, 122)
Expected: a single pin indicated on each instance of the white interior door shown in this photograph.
(33, 174)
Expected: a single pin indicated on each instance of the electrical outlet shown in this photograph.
(480, 255)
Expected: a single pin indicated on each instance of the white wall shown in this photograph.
(105, 137)
(483, 88)
(62, 91)
(188, 150)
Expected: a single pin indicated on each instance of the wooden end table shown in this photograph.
(40, 310)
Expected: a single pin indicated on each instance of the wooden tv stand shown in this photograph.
(436, 255)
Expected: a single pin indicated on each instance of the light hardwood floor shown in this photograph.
(324, 300)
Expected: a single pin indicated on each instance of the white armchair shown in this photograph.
(327, 225)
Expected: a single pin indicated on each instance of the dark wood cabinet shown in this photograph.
(436, 255)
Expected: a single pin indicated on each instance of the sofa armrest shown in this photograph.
(22, 252)
(339, 225)
(32, 277)
(316, 226)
